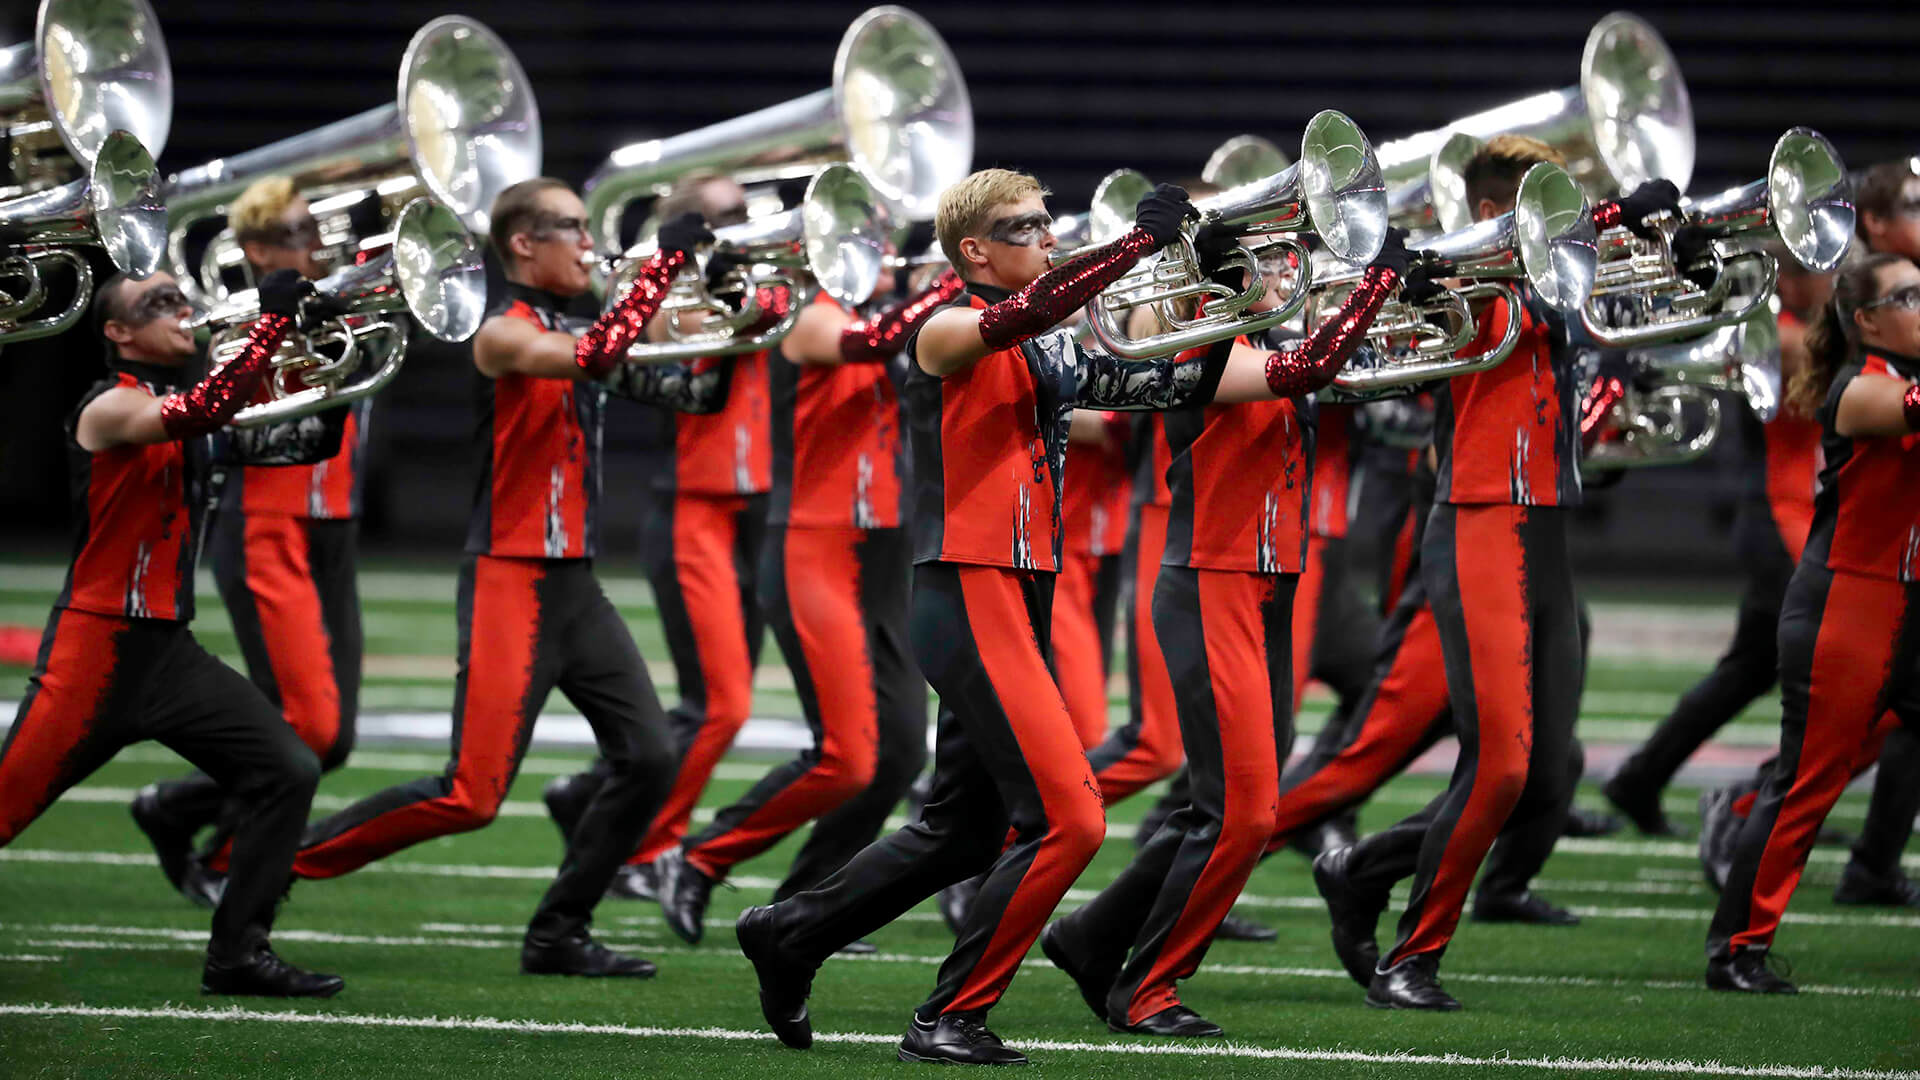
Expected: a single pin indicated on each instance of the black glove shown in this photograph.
(1419, 287)
(319, 309)
(1213, 243)
(1690, 245)
(1161, 211)
(684, 233)
(1646, 200)
(1394, 255)
(919, 240)
(281, 292)
(720, 267)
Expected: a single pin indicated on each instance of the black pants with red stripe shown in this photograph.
(1006, 757)
(1147, 747)
(526, 627)
(1849, 652)
(1503, 603)
(291, 588)
(103, 682)
(837, 601)
(1227, 646)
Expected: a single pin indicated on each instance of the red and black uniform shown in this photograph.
(1494, 565)
(989, 445)
(118, 665)
(533, 617)
(833, 578)
(1093, 518)
(1848, 653)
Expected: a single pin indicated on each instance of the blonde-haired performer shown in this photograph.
(992, 381)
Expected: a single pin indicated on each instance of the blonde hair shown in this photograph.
(966, 209)
(260, 206)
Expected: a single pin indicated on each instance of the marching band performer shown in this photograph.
(118, 663)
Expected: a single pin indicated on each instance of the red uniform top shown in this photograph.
(328, 491)
(1333, 448)
(537, 492)
(727, 452)
(1150, 474)
(1097, 492)
(838, 454)
(135, 512)
(1792, 470)
(1509, 435)
(1866, 518)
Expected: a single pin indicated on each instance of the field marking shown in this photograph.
(1676, 1067)
(27, 958)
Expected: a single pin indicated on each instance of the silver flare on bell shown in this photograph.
(92, 68)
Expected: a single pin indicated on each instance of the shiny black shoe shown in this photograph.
(1093, 986)
(1748, 971)
(567, 798)
(684, 893)
(1355, 915)
(263, 974)
(956, 1039)
(1719, 829)
(172, 839)
(203, 886)
(1586, 824)
(1239, 928)
(1640, 805)
(1174, 1021)
(956, 902)
(857, 947)
(1524, 907)
(1413, 983)
(784, 983)
(1862, 887)
(1323, 836)
(631, 882)
(579, 954)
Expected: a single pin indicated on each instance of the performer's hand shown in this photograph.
(720, 270)
(684, 233)
(1690, 245)
(320, 309)
(1419, 287)
(1161, 211)
(1213, 243)
(281, 292)
(1394, 255)
(1650, 198)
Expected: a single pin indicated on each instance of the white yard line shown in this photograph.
(1678, 1067)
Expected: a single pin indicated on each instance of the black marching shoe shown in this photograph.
(1413, 983)
(1174, 1021)
(203, 886)
(684, 893)
(857, 947)
(1719, 828)
(956, 902)
(1860, 886)
(1355, 915)
(263, 974)
(566, 798)
(172, 839)
(1747, 971)
(1641, 806)
(636, 882)
(579, 954)
(1521, 907)
(784, 984)
(956, 1039)
(1093, 986)
(1238, 928)
(1583, 823)
(1323, 836)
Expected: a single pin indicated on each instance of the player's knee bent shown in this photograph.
(1080, 826)
(846, 771)
(468, 808)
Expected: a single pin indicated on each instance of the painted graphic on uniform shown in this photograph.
(556, 538)
(1519, 486)
(1910, 553)
(742, 459)
(1098, 526)
(317, 490)
(863, 515)
(1022, 524)
(1265, 551)
(137, 582)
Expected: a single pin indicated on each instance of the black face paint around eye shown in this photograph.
(1021, 230)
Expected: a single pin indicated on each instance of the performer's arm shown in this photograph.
(826, 334)
(1878, 407)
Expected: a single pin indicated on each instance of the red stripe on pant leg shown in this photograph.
(293, 627)
(1232, 611)
(822, 574)
(1157, 753)
(502, 651)
(705, 531)
(1306, 615)
(1876, 739)
(1489, 561)
(1076, 821)
(1852, 661)
(1403, 708)
(64, 702)
(1402, 556)
(1076, 648)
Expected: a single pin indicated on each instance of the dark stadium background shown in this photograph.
(1067, 91)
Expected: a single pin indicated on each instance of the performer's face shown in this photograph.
(1014, 248)
(151, 324)
(1898, 231)
(295, 245)
(553, 253)
(1892, 320)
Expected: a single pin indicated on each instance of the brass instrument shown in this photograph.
(1547, 239)
(1242, 160)
(432, 271)
(1108, 216)
(1805, 201)
(463, 127)
(1335, 190)
(1670, 414)
(897, 111)
(92, 68)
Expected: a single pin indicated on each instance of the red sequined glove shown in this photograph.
(880, 338)
(1910, 406)
(209, 404)
(1309, 364)
(1600, 399)
(606, 342)
(1057, 293)
(775, 301)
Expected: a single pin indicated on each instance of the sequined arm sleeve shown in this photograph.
(1600, 398)
(878, 339)
(1061, 291)
(1181, 381)
(1910, 407)
(1310, 363)
(1608, 215)
(775, 301)
(209, 404)
(697, 386)
(606, 342)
